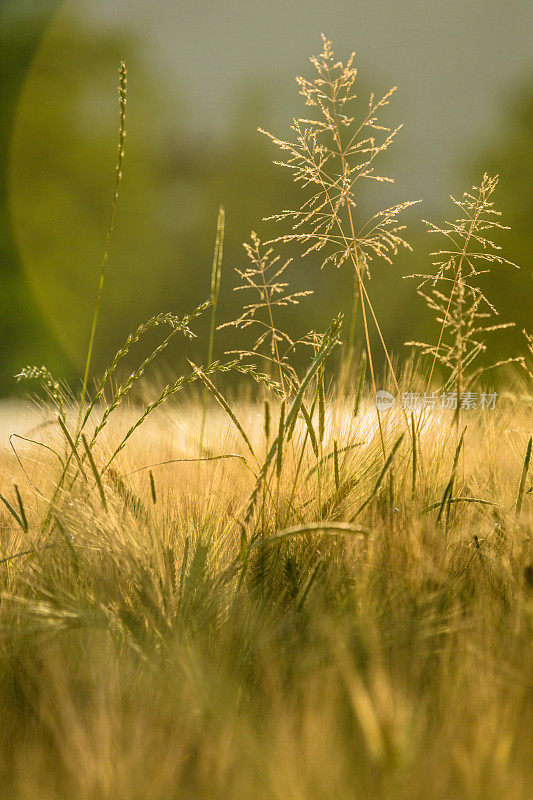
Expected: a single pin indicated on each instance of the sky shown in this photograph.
(455, 62)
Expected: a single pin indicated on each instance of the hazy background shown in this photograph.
(202, 76)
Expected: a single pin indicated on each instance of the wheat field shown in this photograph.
(255, 581)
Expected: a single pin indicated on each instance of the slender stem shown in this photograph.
(123, 80)
(351, 335)
(267, 300)
(216, 273)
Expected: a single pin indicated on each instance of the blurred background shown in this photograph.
(203, 75)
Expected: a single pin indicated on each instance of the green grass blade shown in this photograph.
(21, 508)
(384, 470)
(415, 455)
(310, 429)
(152, 487)
(13, 513)
(523, 478)
(94, 471)
(336, 465)
(279, 457)
(448, 492)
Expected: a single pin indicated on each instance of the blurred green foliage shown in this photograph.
(60, 181)
(23, 334)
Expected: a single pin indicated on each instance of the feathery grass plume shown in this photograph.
(122, 92)
(265, 277)
(465, 314)
(328, 154)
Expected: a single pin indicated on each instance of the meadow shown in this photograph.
(253, 580)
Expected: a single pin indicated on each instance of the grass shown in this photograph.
(153, 646)
(279, 592)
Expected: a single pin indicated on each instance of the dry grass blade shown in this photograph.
(451, 500)
(198, 459)
(334, 528)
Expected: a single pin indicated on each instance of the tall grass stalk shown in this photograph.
(122, 91)
(216, 274)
